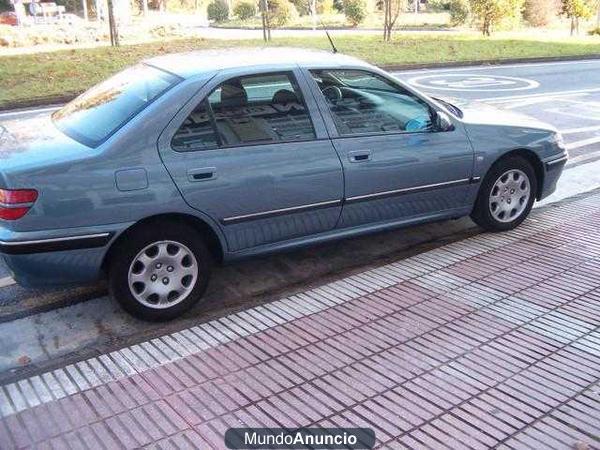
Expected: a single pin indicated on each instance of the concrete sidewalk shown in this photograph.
(493, 341)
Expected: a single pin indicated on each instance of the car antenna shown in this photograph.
(328, 36)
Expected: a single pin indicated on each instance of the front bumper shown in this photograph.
(553, 168)
(57, 257)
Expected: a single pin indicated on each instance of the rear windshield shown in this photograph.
(98, 113)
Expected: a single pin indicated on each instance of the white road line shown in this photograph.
(527, 102)
(542, 94)
(7, 281)
(580, 130)
(581, 159)
(583, 143)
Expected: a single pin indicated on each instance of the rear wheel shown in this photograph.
(506, 195)
(160, 271)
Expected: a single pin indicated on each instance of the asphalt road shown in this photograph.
(42, 327)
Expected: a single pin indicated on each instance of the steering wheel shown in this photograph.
(333, 94)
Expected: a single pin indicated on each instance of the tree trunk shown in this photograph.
(114, 33)
(265, 20)
(572, 26)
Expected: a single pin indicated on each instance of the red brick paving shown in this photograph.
(501, 349)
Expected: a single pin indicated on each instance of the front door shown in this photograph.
(396, 164)
(251, 156)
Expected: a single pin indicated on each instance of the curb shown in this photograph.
(47, 101)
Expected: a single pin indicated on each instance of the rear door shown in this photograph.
(397, 165)
(252, 152)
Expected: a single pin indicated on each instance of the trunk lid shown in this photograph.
(34, 143)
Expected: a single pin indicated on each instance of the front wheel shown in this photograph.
(159, 272)
(506, 195)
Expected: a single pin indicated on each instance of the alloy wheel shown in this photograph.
(163, 274)
(510, 195)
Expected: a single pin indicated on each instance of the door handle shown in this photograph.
(359, 156)
(203, 174)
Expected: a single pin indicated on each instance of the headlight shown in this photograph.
(559, 141)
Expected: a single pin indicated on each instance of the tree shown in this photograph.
(540, 13)
(355, 11)
(575, 10)
(459, 12)
(391, 11)
(491, 13)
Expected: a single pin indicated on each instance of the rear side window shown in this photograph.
(98, 113)
(363, 102)
(257, 109)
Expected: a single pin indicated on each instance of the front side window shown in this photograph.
(362, 102)
(247, 110)
(96, 114)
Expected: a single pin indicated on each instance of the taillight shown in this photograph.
(14, 203)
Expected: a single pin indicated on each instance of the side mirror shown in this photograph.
(443, 122)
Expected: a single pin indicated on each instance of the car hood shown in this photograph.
(479, 113)
(35, 142)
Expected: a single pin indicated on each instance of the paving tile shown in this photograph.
(492, 341)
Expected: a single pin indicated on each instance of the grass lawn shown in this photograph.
(46, 77)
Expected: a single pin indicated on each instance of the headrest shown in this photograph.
(284, 96)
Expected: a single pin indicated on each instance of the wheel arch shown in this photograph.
(214, 242)
(535, 162)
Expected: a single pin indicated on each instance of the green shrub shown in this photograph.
(459, 12)
(281, 12)
(218, 11)
(438, 5)
(244, 10)
(355, 11)
(594, 32)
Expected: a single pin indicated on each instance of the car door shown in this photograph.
(251, 151)
(397, 165)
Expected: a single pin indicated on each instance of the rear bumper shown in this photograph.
(76, 242)
(57, 257)
(553, 168)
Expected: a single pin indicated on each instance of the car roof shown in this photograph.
(203, 61)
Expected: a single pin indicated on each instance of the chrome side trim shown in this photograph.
(278, 212)
(424, 187)
(54, 240)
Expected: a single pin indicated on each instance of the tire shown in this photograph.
(497, 208)
(159, 271)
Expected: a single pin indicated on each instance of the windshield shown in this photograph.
(96, 114)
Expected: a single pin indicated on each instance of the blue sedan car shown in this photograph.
(186, 159)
